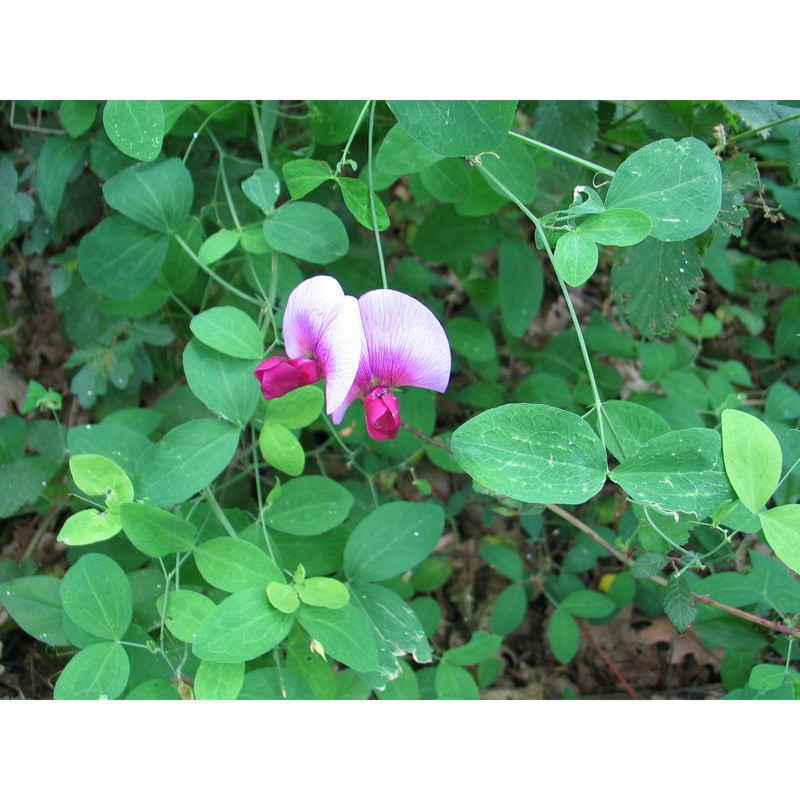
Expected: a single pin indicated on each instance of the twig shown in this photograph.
(609, 663)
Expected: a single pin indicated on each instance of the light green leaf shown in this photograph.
(98, 672)
(283, 597)
(224, 383)
(782, 532)
(356, 198)
(677, 471)
(89, 526)
(585, 603)
(118, 443)
(306, 231)
(400, 154)
(456, 127)
(505, 560)
(455, 683)
(508, 610)
(262, 189)
(344, 633)
(297, 409)
(156, 532)
(214, 681)
(158, 197)
(575, 258)
(323, 592)
(96, 595)
(309, 505)
(136, 127)
(534, 453)
(234, 564)
(752, 458)
(481, 646)
(185, 610)
(630, 425)
(58, 159)
(120, 258)
(677, 184)
(520, 284)
(217, 246)
(622, 227)
(229, 330)
(391, 539)
(100, 477)
(281, 449)
(77, 116)
(304, 175)
(188, 458)
(242, 627)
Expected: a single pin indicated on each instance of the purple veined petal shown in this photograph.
(382, 414)
(405, 343)
(321, 322)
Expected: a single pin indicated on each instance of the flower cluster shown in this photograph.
(362, 348)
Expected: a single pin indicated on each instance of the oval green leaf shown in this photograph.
(100, 477)
(621, 227)
(136, 127)
(304, 175)
(534, 453)
(575, 258)
(156, 532)
(344, 633)
(306, 231)
(229, 330)
(218, 681)
(89, 526)
(323, 592)
(309, 505)
(234, 564)
(297, 409)
(563, 635)
(782, 532)
(281, 449)
(183, 611)
(34, 603)
(98, 672)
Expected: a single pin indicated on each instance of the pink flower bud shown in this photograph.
(279, 375)
(382, 414)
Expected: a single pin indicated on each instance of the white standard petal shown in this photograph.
(338, 352)
(310, 310)
(406, 345)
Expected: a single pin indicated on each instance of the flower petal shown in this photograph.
(279, 375)
(382, 414)
(405, 343)
(321, 322)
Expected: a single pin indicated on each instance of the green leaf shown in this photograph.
(505, 560)
(400, 154)
(323, 592)
(214, 681)
(120, 258)
(136, 127)
(309, 505)
(782, 532)
(446, 236)
(404, 687)
(471, 339)
(677, 184)
(97, 596)
(508, 610)
(262, 189)
(188, 458)
(34, 603)
(218, 245)
(156, 532)
(297, 409)
(77, 116)
(89, 526)
(655, 283)
(234, 564)
(229, 330)
(304, 175)
(481, 646)
(513, 165)
(306, 231)
(98, 672)
(57, 161)
(455, 683)
(281, 449)
(563, 635)
(679, 605)
(447, 180)
(570, 125)
(283, 597)
(575, 258)
(631, 425)
(677, 471)
(392, 539)
(242, 627)
(752, 458)
(649, 564)
(356, 197)
(158, 197)
(585, 603)
(520, 284)
(100, 477)
(120, 444)
(183, 611)
(344, 633)
(224, 383)
(22, 482)
(456, 127)
(622, 227)
(534, 453)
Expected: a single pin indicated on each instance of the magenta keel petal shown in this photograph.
(382, 414)
(279, 375)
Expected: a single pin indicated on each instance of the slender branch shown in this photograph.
(372, 197)
(562, 154)
(607, 659)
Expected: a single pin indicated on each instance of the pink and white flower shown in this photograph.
(322, 338)
(403, 344)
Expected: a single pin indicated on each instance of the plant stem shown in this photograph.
(372, 197)
(561, 154)
(745, 134)
(343, 159)
(262, 145)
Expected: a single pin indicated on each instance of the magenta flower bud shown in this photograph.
(382, 414)
(279, 375)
